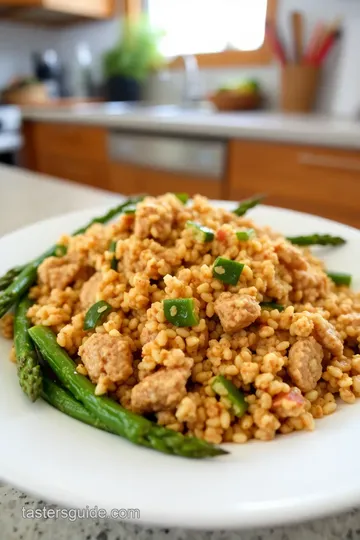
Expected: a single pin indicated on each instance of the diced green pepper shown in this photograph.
(183, 197)
(112, 249)
(201, 233)
(227, 271)
(96, 314)
(60, 250)
(339, 278)
(224, 387)
(272, 305)
(181, 311)
(244, 236)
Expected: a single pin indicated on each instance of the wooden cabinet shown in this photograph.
(321, 181)
(72, 152)
(56, 11)
(128, 178)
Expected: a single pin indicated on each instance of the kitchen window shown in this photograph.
(218, 32)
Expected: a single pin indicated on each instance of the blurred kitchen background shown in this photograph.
(219, 97)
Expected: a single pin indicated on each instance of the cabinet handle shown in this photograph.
(329, 162)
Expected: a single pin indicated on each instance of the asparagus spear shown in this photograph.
(29, 371)
(340, 278)
(115, 418)
(22, 283)
(64, 402)
(317, 240)
(245, 205)
(9, 277)
(27, 276)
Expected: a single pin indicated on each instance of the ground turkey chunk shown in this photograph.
(236, 311)
(160, 391)
(290, 256)
(89, 291)
(326, 334)
(59, 272)
(304, 367)
(103, 354)
(153, 218)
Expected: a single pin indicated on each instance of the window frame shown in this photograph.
(258, 57)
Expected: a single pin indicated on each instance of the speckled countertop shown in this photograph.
(54, 197)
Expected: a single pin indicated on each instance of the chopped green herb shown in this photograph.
(224, 387)
(181, 311)
(340, 278)
(244, 236)
(96, 314)
(183, 197)
(272, 305)
(201, 233)
(247, 204)
(227, 271)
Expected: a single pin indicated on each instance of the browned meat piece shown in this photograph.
(305, 368)
(103, 354)
(290, 256)
(153, 218)
(160, 391)
(289, 404)
(59, 272)
(327, 335)
(236, 311)
(89, 291)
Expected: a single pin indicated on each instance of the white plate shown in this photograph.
(295, 477)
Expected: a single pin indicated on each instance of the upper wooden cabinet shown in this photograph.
(55, 12)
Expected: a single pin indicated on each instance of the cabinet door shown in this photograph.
(71, 141)
(129, 179)
(76, 170)
(320, 181)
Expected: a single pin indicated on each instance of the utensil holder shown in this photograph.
(299, 85)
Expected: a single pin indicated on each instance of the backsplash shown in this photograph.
(168, 87)
(16, 42)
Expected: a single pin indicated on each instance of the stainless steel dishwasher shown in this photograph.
(176, 154)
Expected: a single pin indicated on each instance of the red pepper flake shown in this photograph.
(221, 235)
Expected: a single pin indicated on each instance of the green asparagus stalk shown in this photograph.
(27, 276)
(22, 283)
(64, 402)
(29, 371)
(115, 418)
(247, 204)
(9, 277)
(340, 278)
(113, 212)
(317, 240)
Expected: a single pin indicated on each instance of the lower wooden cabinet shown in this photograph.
(77, 170)
(321, 181)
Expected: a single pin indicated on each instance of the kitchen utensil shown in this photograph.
(297, 23)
